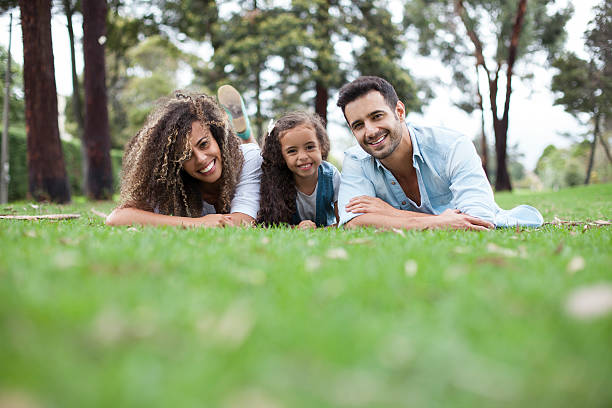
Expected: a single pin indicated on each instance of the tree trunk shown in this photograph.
(4, 157)
(76, 94)
(502, 177)
(321, 101)
(587, 179)
(96, 135)
(46, 169)
(484, 152)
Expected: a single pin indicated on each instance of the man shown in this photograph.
(404, 176)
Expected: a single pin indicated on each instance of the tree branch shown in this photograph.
(478, 50)
(513, 51)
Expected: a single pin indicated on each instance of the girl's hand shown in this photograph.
(213, 220)
(366, 204)
(307, 224)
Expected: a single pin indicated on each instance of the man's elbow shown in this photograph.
(355, 222)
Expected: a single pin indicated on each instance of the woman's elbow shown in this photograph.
(114, 219)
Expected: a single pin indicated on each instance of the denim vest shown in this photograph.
(325, 214)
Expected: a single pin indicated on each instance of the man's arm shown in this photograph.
(471, 190)
(377, 213)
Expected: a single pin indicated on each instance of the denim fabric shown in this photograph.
(325, 199)
(449, 175)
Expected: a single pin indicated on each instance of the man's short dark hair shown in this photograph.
(364, 84)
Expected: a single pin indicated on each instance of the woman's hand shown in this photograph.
(306, 224)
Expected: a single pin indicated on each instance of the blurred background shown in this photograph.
(529, 81)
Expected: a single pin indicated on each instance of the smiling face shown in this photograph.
(301, 150)
(205, 162)
(377, 127)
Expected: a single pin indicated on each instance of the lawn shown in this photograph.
(93, 316)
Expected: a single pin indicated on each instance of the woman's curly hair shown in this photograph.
(278, 189)
(153, 178)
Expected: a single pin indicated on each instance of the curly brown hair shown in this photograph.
(278, 189)
(153, 178)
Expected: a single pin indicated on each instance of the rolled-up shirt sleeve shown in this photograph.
(246, 197)
(471, 190)
(354, 183)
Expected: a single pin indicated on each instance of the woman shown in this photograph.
(187, 167)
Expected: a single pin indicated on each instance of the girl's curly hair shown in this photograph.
(153, 178)
(278, 189)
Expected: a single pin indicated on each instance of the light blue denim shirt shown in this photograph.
(449, 174)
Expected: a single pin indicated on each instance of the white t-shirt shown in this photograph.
(307, 204)
(246, 197)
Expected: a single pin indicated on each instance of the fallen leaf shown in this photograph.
(559, 248)
(493, 260)
(410, 267)
(132, 229)
(399, 231)
(589, 302)
(98, 213)
(34, 206)
(18, 399)
(360, 241)
(235, 325)
(501, 251)
(602, 222)
(312, 264)
(575, 264)
(337, 253)
(252, 398)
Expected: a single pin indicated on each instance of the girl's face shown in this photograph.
(205, 162)
(301, 150)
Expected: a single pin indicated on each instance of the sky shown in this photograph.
(534, 121)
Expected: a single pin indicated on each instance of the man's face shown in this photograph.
(377, 128)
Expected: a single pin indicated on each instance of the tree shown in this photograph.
(47, 172)
(586, 86)
(382, 50)
(457, 29)
(96, 131)
(70, 7)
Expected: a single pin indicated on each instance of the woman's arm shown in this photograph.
(131, 216)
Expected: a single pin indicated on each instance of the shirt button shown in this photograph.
(403, 203)
(393, 182)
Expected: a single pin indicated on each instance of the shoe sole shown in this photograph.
(230, 99)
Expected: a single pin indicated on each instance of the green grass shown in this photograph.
(92, 316)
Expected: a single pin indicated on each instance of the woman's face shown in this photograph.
(205, 162)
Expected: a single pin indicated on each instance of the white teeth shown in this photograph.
(378, 140)
(208, 168)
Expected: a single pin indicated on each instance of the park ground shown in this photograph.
(94, 316)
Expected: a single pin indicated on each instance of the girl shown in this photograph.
(187, 167)
(298, 186)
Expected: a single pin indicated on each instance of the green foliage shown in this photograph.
(147, 72)
(18, 170)
(93, 316)
(559, 168)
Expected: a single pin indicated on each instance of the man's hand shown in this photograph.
(454, 219)
(366, 204)
(306, 224)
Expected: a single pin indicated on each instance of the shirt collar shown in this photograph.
(416, 151)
